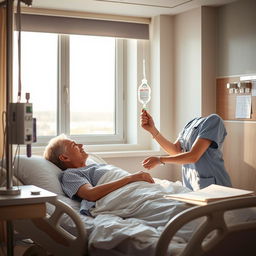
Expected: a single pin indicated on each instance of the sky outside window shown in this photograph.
(92, 85)
(39, 77)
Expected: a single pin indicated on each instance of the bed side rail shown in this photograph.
(215, 221)
(48, 233)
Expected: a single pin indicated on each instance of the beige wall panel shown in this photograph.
(240, 154)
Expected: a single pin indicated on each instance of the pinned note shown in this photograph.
(254, 88)
(243, 106)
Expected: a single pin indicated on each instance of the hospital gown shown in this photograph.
(72, 179)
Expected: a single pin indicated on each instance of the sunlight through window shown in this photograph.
(92, 85)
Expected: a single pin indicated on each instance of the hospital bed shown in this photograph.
(221, 228)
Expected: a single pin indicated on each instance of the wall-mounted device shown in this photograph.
(240, 87)
(232, 87)
(22, 125)
(21, 120)
(245, 87)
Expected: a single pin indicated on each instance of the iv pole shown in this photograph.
(9, 83)
(9, 190)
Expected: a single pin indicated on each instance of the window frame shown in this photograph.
(63, 106)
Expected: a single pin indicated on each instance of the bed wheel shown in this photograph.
(35, 250)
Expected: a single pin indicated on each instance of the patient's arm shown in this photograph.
(90, 193)
(198, 148)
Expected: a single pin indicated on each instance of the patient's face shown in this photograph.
(76, 156)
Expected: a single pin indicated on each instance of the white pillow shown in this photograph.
(42, 173)
(38, 171)
(92, 159)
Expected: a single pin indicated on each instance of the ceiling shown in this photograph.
(139, 8)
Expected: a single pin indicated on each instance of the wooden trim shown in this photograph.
(226, 102)
(27, 211)
(85, 15)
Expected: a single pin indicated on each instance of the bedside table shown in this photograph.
(29, 204)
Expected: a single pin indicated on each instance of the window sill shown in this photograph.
(107, 151)
(134, 153)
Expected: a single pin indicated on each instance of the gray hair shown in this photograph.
(54, 149)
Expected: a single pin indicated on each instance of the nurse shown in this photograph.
(197, 148)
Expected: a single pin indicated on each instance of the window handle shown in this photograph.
(67, 90)
(67, 93)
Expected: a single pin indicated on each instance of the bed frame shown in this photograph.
(48, 233)
(229, 240)
(238, 239)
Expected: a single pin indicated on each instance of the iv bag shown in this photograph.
(144, 93)
(144, 90)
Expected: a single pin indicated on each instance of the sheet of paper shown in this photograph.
(254, 88)
(243, 106)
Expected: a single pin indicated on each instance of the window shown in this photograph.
(76, 85)
(39, 78)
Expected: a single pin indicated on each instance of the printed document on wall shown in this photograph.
(243, 106)
(253, 88)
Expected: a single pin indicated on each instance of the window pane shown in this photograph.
(39, 78)
(92, 85)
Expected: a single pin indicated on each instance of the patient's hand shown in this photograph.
(141, 176)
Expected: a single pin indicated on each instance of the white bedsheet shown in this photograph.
(110, 235)
(137, 211)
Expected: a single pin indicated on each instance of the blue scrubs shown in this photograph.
(209, 169)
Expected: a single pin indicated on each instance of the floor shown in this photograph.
(19, 250)
(20, 246)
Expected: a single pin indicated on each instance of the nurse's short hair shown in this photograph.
(54, 149)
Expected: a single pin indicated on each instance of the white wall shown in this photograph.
(209, 52)
(187, 67)
(237, 38)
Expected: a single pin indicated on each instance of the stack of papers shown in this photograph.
(210, 194)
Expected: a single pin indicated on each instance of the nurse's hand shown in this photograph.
(147, 122)
(151, 162)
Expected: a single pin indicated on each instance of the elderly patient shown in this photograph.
(79, 180)
(106, 189)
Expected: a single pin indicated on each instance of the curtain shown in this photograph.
(2, 72)
(80, 26)
(2, 93)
